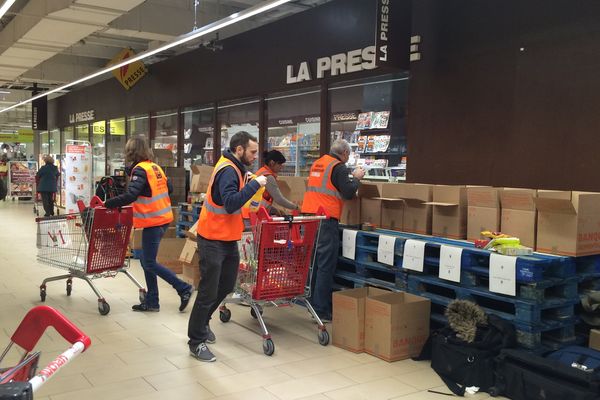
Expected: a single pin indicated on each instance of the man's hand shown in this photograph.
(358, 173)
(262, 180)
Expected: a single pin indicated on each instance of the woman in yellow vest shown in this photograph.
(269, 194)
(149, 190)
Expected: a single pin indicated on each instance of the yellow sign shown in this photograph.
(130, 74)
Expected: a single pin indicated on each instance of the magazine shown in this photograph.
(364, 120)
(380, 120)
(362, 144)
(381, 143)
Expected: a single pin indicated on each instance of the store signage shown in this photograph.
(392, 33)
(129, 74)
(337, 64)
(83, 116)
(39, 114)
(352, 116)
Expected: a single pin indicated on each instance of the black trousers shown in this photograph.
(48, 203)
(219, 263)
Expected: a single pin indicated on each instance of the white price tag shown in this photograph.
(414, 255)
(450, 268)
(349, 243)
(503, 274)
(385, 249)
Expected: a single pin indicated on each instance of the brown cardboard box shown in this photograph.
(177, 178)
(518, 215)
(136, 239)
(594, 339)
(175, 211)
(449, 211)
(483, 211)
(164, 157)
(349, 317)
(191, 281)
(200, 177)
(417, 213)
(169, 252)
(292, 187)
(192, 233)
(568, 226)
(370, 203)
(189, 253)
(392, 206)
(351, 212)
(170, 233)
(396, 325)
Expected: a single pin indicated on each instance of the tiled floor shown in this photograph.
(145, 356)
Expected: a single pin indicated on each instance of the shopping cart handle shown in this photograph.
(38, 319)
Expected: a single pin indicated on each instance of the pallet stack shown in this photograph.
(548, 288)
(188, 215)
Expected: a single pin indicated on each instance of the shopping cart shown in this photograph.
(275, 269)
(21, 381)
(90, 244)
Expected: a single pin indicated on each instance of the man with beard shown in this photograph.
(220, 226)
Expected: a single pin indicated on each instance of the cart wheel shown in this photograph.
(142, 295)
(103, 308)
(69, 287)
(253, 313)
(42, 293)
(323, 338)
(225, 315)
(268, 347)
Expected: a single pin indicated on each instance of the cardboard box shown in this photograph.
(135, 242)
(351, 212)
(449, 211)
(201, 175)
(292, 187)
(417, 211)
(370, 203)
(177, 177)
(189, 253)
(349, 317)
(483, 211)
(518, 214)
(169, 252)
(594, 339)
(392, 206)
(191, 281)
(396, 325)
(175, 211)
(164, 157)
(192, 233)
(568, 223)
(170, 233)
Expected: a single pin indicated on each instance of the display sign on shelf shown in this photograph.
(22, 178)
(78, 175)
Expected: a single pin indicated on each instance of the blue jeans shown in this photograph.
(150, 241)
(327, 252)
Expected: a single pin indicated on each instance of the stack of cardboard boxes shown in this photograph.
(189, 258)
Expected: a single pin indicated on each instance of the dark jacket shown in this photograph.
(138, 186)
(225, 189)
(47, 178)
(340, 178)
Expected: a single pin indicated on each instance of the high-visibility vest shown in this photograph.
(154, 210)
(261, 197)
(215, 223)
(320, 190)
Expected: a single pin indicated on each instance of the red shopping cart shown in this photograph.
(19, 382)
(275, 269)
(90, 244)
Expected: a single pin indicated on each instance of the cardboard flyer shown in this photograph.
(450, 265)
(503, 274)
(385, 249)
(78, 179)
(349, 244)
(21, 178)
(414, 255)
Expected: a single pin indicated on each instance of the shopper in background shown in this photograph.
(3, 177)
(329, 184)
(270, 194)
(47, 180)
(220, 226)
(149, 190)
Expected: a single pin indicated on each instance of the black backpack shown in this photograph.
(461, 364)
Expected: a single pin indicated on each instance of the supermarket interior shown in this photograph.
(379, 199)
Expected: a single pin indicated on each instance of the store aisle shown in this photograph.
(145, 356)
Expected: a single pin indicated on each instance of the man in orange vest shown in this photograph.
(329, 184)
(220, 226)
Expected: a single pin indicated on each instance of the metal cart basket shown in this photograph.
(275, 269)
(90, 244)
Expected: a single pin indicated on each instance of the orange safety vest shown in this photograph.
(261, 197)
(155, 210)
(215, 223)
(320, 190)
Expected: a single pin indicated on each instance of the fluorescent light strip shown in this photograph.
(205, 30)
(7, 4)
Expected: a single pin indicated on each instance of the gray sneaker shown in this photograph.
(211, 338)
(202, 353)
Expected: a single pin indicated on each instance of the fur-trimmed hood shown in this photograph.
(463, 317)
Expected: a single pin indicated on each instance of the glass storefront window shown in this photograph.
(67, 135)
(44, 146)
(198, 135)
(138, 125)
(241, 115)
(164, 124)
(294, 129)
(371, 115)
(115, 147)
(82, 132)
(98, 150)
(54, 142)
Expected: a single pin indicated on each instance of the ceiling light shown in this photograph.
(7, 4)
(4, 92)
(202, 31)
